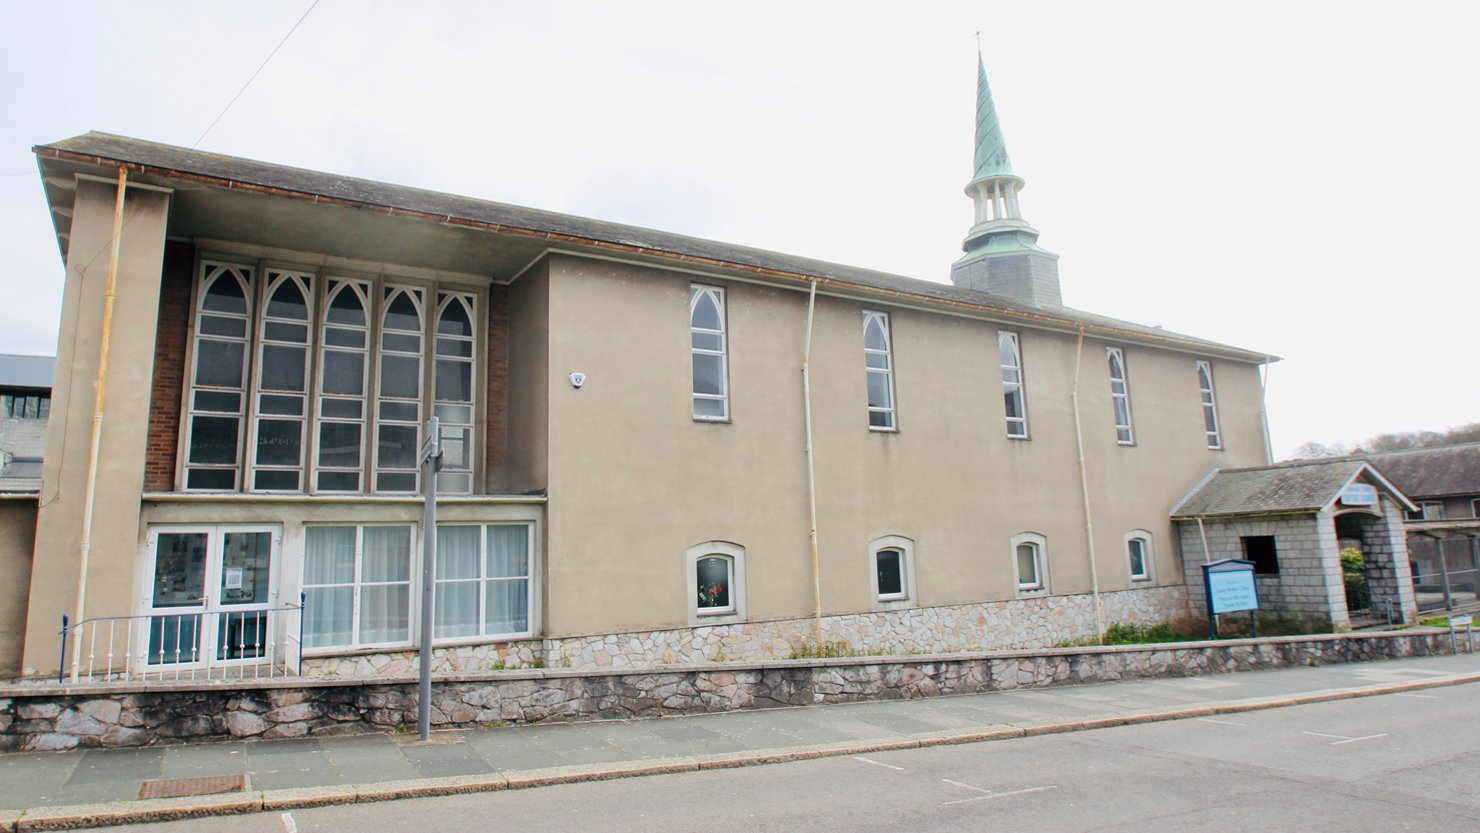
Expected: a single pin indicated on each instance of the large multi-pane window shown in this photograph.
(1120, 396)
(483, 581)
(319, 383)
(356, 586)
(1209, 404)
(707, 333)
(1015, 405)
(879, 365)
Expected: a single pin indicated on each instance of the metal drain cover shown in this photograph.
(182, 787)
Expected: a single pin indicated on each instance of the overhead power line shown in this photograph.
(265, 61)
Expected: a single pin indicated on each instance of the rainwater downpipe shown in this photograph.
(1089, 525)
(85, 549)
(1208, 559)
(811, 469)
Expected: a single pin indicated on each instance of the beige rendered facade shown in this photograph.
(279, 338)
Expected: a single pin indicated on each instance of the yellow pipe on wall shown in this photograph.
(97, 426)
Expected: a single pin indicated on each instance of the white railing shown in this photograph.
(200, 645)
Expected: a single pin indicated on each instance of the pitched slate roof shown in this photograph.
(232, 172)
(1305, 486)
(1433, 472)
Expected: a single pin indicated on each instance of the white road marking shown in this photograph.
(1424, 696)
(965, 786)
(878, 763)
(1340, 739)
(1000, 795)
(1354, 740)
(288, 823)
(1220, 722)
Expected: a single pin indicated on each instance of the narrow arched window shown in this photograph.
(1120, 396)
(1209, 404)
(398, 403)
(343, 383)
(1014, 403)
(282, 383)
(456, 342)
(878, 357)
(218, 381)
(709, 352)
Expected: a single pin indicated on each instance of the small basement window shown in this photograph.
(1260, 549)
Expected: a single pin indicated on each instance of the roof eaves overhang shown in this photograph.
(799, 279)
(1387, 486)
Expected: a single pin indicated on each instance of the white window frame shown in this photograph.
(419, 296)
(906, 549)
(1209, 404)
(321, 282)
(412, 584)
(1011, 386)
(454, 479)
(1148, 572)
(874, 356)
(1040, 559)
(207, 272)
(716, 616)
(1437, 507)
(274, 279)
(717, 295)
(483, 580)
(1120, 397)
(363, 292)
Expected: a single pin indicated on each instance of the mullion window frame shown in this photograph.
(1125, 434)
(1209, 401)
(385, 293)
(1018, 387)
(367, 382)
(358, 584)
(890, 411)
(472, 445)
(208, 269)
(309, 283)
(718, 296)
(483, 581)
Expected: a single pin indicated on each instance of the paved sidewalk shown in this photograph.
(47, 789)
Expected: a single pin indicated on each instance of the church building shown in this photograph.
(654, 448)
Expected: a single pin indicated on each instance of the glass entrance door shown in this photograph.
(209, 596)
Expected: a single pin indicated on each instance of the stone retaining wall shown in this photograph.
(49, 717)
(985, 626)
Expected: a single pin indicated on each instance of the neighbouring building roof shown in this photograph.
(26, 371)
(1433, 472)
(1305, 486)
(170, 162)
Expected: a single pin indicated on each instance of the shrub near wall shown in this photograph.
(34, 717)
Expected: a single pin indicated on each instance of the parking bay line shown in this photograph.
(878, 763)
(1341, 739)
(998, 795)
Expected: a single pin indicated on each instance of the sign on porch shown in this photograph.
(1230, 588)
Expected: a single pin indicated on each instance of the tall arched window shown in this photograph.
(456, 342)
(1120, 396)
(708, 341)
(1014, 403)
(399, 401)
(879, 362)
(1209, 404)
(218, 388)
(343, 382)
(282, 383)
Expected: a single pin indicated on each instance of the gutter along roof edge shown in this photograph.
(1068, 322)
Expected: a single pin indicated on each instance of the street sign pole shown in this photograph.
(430, 461)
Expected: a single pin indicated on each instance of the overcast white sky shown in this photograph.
(1292, 177)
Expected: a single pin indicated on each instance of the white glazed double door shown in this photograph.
(208, 595)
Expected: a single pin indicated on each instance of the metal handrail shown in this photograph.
(155, 645)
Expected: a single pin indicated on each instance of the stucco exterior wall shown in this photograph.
(635, 480)
(17, 540)
(126, 408)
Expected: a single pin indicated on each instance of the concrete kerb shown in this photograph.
(170, 809)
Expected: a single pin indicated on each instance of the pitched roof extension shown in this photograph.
(1304, 486)
(1434, 472)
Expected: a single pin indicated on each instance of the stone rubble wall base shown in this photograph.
(39, 718)
(987, 626)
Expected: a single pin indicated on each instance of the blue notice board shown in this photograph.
(1230, 586)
